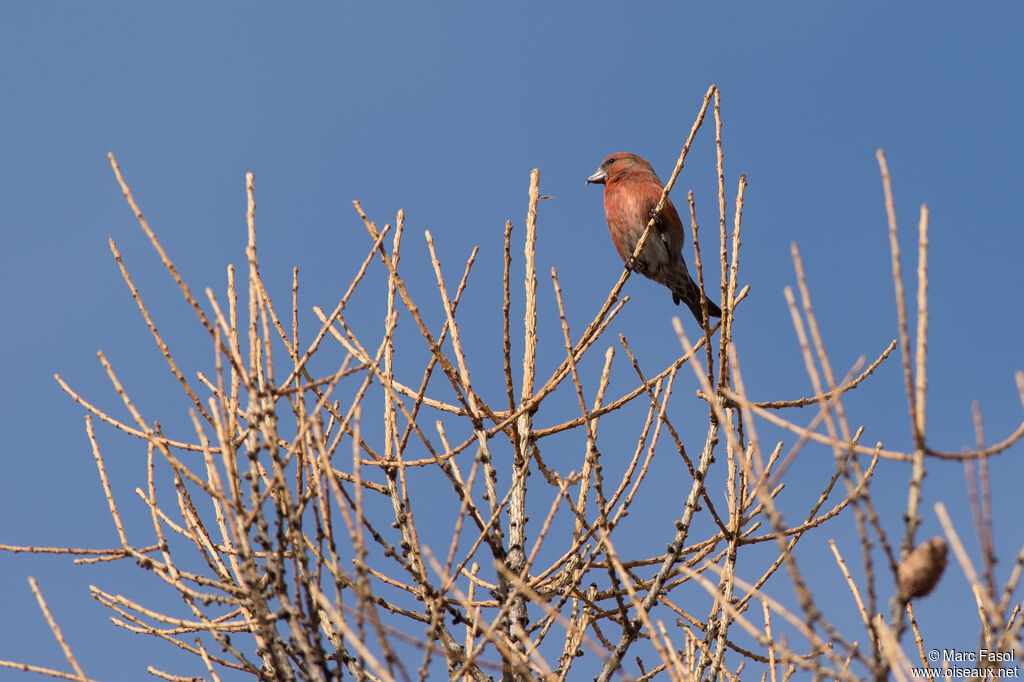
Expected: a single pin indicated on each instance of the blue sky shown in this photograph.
(443, 111)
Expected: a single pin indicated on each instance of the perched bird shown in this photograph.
(631, 192)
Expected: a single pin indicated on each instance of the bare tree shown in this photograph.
(292, 525)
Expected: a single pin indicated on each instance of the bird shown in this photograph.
(631, 193)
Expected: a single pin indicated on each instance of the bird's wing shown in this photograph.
(671, 226)
(665, 242)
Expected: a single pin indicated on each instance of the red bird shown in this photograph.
(631, 192)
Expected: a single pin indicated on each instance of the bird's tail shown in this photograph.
(688, 292)
(694, 306)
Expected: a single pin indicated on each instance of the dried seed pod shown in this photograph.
(920, 571)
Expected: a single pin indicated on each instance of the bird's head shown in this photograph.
(616, 165)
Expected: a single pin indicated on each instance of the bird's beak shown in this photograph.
(598, 177)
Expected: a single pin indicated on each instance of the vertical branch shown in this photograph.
(897, 280)
(723, 253)
(231, 407)
(981, 504)
(516, 559)
(390, 321)
(699, 267)
(274, 656)
(917, 403)
(505, 305)
(734, 264)
(395, 480)
(295, 317)
(921, 351)
(250, 253)
(913, 387)
(530, 337)
(917, 382)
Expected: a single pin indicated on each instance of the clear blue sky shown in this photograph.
(443, 110)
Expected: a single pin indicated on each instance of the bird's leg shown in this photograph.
(636, 264)
(655, 215)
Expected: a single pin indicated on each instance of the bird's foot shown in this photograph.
(636, 265)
